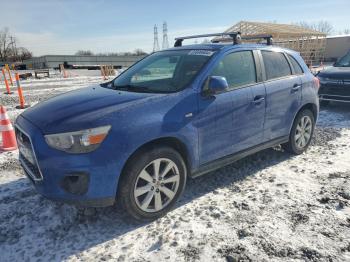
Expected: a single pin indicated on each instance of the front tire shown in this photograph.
(151, 183)
(301, 133)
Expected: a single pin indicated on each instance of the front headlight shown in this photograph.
(83, 141)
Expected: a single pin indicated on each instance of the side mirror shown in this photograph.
(215, 85)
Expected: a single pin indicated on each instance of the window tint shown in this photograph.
(297, 68)
(238, 69)
(276, 64)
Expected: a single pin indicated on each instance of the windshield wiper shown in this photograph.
(133, 88)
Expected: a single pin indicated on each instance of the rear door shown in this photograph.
(283, 94)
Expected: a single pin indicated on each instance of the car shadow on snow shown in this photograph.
(63, 230)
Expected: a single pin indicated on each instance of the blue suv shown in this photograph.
(178, 113)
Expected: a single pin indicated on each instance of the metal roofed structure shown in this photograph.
(309, 43)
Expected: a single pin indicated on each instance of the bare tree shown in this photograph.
(23, 54)
(5, 44)
(9, 52)
(139, 51)
(324, 27)
(321, 26)
(346, 31)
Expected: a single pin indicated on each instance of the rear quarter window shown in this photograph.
(296, 66)
(276, 65)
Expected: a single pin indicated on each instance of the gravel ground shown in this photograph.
(270, 206)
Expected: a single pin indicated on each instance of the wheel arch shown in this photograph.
(312, 107)
(173, 142)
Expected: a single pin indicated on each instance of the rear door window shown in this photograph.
(238, 68)
(297, 68)
(276, 65)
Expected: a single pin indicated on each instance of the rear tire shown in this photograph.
(301, 133)
(151, 183)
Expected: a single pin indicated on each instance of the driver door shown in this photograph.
(232, 121)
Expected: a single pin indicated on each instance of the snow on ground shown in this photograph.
(270, 206)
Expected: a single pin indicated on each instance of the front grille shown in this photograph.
(25, 144)
(335, 98)
(32, 170)
(330, 89)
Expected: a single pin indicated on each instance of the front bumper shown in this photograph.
(83, 179)
(335, 92)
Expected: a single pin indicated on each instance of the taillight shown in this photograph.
(316, 83)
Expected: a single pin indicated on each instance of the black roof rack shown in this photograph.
(236, 36)
(268, 38)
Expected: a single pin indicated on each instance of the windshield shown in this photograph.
(344, 61)
(163, 72)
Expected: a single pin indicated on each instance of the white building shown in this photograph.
(336, 46)
(53, 61)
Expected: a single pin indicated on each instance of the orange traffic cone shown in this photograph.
(22, 104)
(8, 91)
(9, 73)
(7, 132)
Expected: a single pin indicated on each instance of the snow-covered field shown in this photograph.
(270, 206)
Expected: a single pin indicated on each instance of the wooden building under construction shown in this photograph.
(309, 43)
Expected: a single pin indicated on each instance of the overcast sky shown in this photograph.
(63, 27)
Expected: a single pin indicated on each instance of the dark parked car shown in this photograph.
(335, 82)
(177, 113)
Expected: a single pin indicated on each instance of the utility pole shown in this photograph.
(165, 44)
(14, 48)
(155, 39)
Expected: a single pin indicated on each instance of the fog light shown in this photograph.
(76, 183)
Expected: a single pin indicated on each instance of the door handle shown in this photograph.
(296, 88)
(258, 99)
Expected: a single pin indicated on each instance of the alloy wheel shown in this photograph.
(303, 132)
(156, 185)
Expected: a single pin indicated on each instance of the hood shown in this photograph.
(336, 72)
(78, 109)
